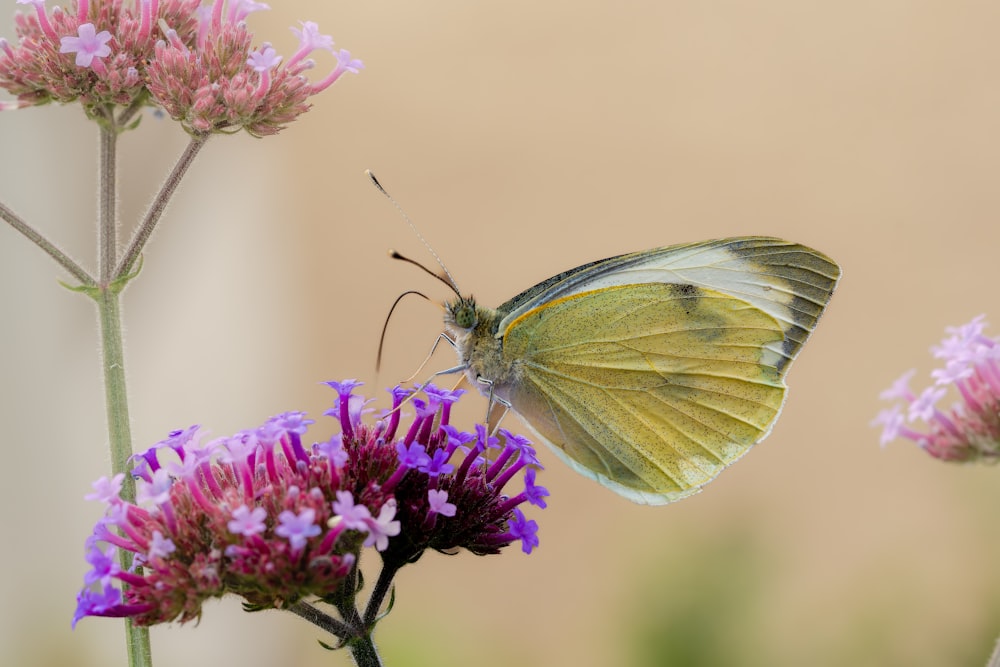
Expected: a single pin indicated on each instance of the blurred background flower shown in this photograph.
(969, 431)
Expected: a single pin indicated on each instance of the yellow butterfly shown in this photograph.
(650, 372)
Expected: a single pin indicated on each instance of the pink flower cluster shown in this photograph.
(968, 431)
(196, 61)
(261, 515)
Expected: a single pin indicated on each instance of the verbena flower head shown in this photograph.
(970, 430)
(196, 61)
(261, 515)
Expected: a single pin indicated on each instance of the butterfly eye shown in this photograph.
(464, 314)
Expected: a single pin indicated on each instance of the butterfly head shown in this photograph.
(461, 313)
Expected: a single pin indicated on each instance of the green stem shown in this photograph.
(344, 601)
(120, 435)
(322, 621)
(364, 652)
(47, 246)
(113, 357)
(363, 649)
(359, 641)
(382, 587)
(108, 297)
(107, 238)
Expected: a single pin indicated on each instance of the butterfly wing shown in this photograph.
(652, 372)
(790, 282)
(677, 383)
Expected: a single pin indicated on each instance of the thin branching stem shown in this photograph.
(382, 588)
(351, 631)
(49, 248)
(323, 621)
(345, 601)
(134, 250)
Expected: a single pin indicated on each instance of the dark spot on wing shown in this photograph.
(689, 293)
(684, 290)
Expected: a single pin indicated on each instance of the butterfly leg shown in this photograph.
(437, 341)
(447, 371)
(494, 403)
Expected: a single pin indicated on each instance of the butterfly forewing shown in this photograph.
(790, 282)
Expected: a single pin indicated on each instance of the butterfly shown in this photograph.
(653, 371)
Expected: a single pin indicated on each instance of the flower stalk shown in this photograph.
(115, 58)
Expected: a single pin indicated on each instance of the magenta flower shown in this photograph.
(261, 515)
(970, 429)
(196, 61)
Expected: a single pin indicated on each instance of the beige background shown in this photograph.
(525, 138)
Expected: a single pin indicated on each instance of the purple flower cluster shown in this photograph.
(195, 61)
(968, 431)
(261, 515)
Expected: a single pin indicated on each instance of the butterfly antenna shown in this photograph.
(396, 255)
(446, 278)
(385, 326)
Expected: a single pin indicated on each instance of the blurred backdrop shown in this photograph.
(525, 138)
